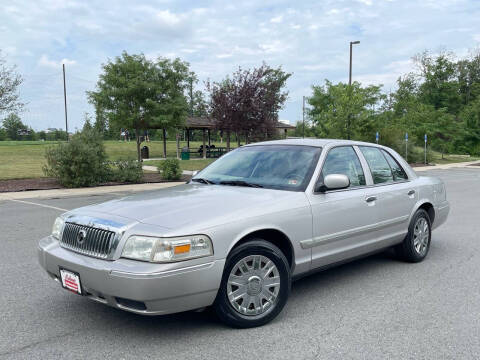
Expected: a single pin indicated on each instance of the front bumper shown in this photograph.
(124, 283)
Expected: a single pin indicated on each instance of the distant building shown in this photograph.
(283, 126)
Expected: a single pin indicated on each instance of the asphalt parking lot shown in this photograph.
(374, 308)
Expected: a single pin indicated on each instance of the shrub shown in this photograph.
(170, 169)
(395, 139)
(79, 162)
(127, 171)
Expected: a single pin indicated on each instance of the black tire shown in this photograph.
(406, 250)
(225, 310)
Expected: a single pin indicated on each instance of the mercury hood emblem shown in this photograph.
(81, 236)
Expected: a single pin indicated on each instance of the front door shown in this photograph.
(342, 219)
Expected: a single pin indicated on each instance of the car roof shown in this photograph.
(312, 142)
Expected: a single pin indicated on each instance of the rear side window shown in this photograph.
(398, 173)
(344, 160)
(381, 171)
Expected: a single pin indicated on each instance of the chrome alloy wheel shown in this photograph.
(421, 236)
(253, 285)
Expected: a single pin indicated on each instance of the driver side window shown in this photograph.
(344, 160)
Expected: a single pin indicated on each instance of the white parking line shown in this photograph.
(42, 205)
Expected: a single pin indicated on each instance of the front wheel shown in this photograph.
(416, 244)
(255, 285)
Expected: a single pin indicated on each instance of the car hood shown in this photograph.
(197, 205)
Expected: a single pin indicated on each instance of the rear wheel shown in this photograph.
(417, 242)
(255, 285)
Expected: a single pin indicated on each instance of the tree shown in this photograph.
(10, 81)
(13, 126)
(136, 93)
(200, 105)
(469, 77)
(343, 111)
(249, 101)
(197, 105)
(171, 104)
(440, 86)
(470, 116)
(87, 125)
(100, 123)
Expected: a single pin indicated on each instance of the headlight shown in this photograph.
(57, 227)
(160, 250)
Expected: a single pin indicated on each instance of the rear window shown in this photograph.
(398, 173)
(381, 171)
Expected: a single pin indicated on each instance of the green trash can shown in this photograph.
(185, 155)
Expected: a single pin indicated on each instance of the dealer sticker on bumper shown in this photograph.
(71, 281)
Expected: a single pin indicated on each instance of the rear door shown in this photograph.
(342, 219)
(393, 193)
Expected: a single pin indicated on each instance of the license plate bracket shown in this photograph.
(71, 281)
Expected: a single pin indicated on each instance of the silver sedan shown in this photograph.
(242, 229)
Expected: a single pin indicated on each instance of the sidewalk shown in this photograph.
(446, 166)
(59, 193)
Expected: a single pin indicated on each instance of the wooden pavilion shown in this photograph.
(207, 125)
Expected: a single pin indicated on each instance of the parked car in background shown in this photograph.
(243, 228)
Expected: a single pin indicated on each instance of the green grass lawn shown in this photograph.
(448, 159)
(25, 159)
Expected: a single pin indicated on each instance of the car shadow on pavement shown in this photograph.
(303, 290)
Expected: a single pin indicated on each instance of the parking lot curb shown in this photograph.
(59, 193)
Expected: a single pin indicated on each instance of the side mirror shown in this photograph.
(333, 182)
(195, 172)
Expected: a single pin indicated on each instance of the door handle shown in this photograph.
(369, 199)
(411, 192)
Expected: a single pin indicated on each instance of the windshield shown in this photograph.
(283, 167)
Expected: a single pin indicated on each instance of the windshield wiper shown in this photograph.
(240, 183)
(203, 181)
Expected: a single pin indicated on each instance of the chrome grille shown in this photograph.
(97, 242)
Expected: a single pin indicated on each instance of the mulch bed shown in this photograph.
(51, 183)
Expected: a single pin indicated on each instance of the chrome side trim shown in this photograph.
(162, 273)
(440, 208)
(325, 239)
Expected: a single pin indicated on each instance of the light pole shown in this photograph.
(65, 100)
(303, 116)
(350, 86)
(350, 72)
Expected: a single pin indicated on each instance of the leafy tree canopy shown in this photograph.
(248, 102)
(136, 93)
(10, 81)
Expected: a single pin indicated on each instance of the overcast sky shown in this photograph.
(308, 38)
